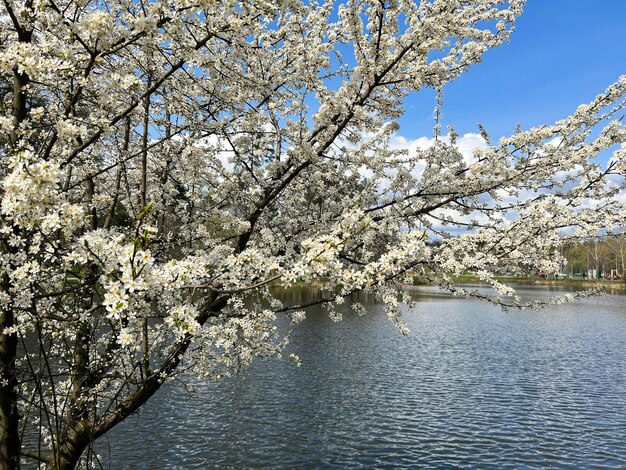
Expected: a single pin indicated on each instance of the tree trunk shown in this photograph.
(9, 416)
(72, 448)
(84, 431)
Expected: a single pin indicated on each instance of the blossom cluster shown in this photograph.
(169, 164)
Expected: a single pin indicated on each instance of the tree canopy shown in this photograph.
(165, 162)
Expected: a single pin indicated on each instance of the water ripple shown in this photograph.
(471, 387)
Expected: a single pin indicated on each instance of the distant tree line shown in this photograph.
(599, 258)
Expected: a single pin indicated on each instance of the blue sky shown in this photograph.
(562, 54)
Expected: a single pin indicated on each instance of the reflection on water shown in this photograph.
(470, 387)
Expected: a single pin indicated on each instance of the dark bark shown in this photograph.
(9, 416)
(82, 431)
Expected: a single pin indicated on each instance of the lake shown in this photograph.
(471, 386)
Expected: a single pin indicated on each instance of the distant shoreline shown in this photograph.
(579, 283)
(470, 279)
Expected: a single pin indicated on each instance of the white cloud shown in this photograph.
(467, 144)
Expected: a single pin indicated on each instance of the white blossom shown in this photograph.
(167, 165)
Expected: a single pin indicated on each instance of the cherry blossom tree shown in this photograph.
(165, 162)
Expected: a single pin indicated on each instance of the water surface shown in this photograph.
(470, 387)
